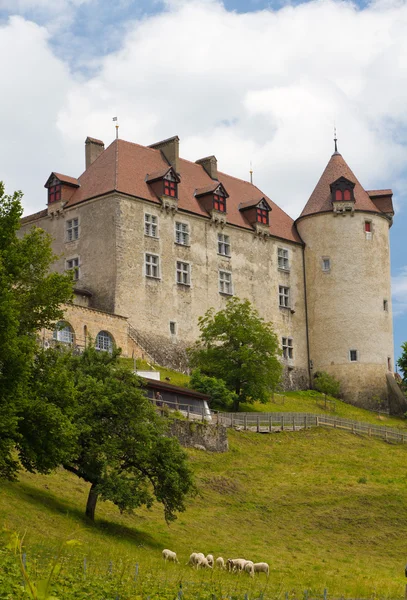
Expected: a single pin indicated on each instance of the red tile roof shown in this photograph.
(320, 199)
(123, 167)
(34, 216)
(66, 179)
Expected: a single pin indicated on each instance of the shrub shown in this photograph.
(326, 384)
(219, 394)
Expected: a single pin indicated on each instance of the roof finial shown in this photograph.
(335, 140)
(117, 127)
(251, 172)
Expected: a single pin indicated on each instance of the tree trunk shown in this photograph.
(91, 503)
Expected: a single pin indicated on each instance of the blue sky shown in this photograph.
(248, 80)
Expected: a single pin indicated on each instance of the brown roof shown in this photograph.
(66, 179)
(156, 384)
(320, 199)
(34, 216)
(250, 204)
(123, 167)
(377, 193)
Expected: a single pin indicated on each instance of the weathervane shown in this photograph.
(117, 127)
(335, 139)
(251, 172)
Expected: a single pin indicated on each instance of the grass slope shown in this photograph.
(326, 509)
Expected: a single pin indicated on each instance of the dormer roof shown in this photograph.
(258, 203)
(320, 200)
(64, 179)
(212, 188)
(161, 174)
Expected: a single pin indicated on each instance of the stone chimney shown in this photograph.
(170, 149)
(93, 149)
(210, 164)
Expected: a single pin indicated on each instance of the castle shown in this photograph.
(154, 241)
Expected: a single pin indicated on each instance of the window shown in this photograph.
(353, 355)
(151, 225)
(72, 230)
(104, 341)
(54, 193)
(287, 344)
(73, 265)
(389, 364)
(219, 203)
(262, 216)
(225, 282)
(338, 195)
(386, 305)
(173, 327)
(326, 265)
(283, 259)
(63, 333)
(284, 296)
(223, 244)
(170, 188)
(368, 230)
(182, 234)
(183, 273)
(152, 265)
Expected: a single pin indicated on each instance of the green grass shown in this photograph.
(175, 378)
(325, 508)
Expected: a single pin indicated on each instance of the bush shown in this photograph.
(327, 384)
(220, 396)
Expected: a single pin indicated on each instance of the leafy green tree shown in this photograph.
(122, 447)
(30, 298)
(327, 384)
(402, 362)
(215, 388)
(239, 347)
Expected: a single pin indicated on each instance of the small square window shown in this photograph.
(283, 262)
(353, 355)
(326, 265)
(73, 265)
(151, 225)
(284, 296)
(287, 345)
(223, 244)
(152, 265)
(183, 273)
(72, 230)
(173, 327)
(182, 234)
(386, 305)
(225, 282)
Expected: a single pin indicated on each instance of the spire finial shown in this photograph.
(251, 172)
(335, 140)
(117, 127)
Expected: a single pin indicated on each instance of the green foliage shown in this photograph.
(239, 347)
(121, 447)
(220, 396)
(30, 298)
(326, 384)
(402, 362)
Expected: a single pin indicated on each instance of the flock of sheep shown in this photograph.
(234, 565)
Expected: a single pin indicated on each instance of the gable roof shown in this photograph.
(63, 179)
(123, 167)
(320, 199)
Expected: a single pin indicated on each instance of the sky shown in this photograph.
(251, 81)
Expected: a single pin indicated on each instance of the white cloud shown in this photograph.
(264, 87)
(399, 292)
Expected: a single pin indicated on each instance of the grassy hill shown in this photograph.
(324, 508)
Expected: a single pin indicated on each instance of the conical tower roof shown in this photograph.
(320, 199)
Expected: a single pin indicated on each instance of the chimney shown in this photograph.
(210, 164)
(170, 149)
(93, 149)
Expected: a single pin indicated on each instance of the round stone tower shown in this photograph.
(347, 271)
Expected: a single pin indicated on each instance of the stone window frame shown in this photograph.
(173, 327)
(326, 264)
(284, 296)
(182, 233)
(225, 282)
(182, 275)
(353, 355)
(152, 268)
(224, 245)
(104, 341)
(368, 229)
(73, 264)
(63, 333)
(385, 305)
(287, 347)
(283, 259)
(72, 229)
(151, 225)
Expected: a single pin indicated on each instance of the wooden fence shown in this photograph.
(269, 422)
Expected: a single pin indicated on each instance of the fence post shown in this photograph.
(188, 409)
(282, 422)
(353, 427)
(305, 422)
(245, 421)
(258, 424)
(334, 423)
(385, 436)
(325, 594)
(317, 421)
(270, 423)
(369, 432)
(203, 415)
(136, 572)
(293, 423)
(231, 420)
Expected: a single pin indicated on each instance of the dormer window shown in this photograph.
(262, 216)
(257, 213)
(170, 186)
(342, 196)
(219, 202)
(164, 184)
(213, 198)
(54, 193)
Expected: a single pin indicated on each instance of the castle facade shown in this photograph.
(154, 241)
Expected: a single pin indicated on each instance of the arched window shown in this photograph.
(63, 333)
(104, 341)
(346, 195)
(338, 195)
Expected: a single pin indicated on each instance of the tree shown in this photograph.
(122, 448)
(326, 384)
(239, 347)
(219, 394)
(30, 298)
(402, 362)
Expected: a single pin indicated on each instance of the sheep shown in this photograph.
(249, 568)
(220, 563)
(192, 559)
(236, 564)
(261, 567)
(201, 561)
(210, 560)
(169, 555)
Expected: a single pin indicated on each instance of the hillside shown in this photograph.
(326, 509)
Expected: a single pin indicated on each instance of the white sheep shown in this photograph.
(261, 567)
(220, 563)
(236, 564)
(202, 561)
(192, 559)
(169, 555)
(210, 559)
(249, 568)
